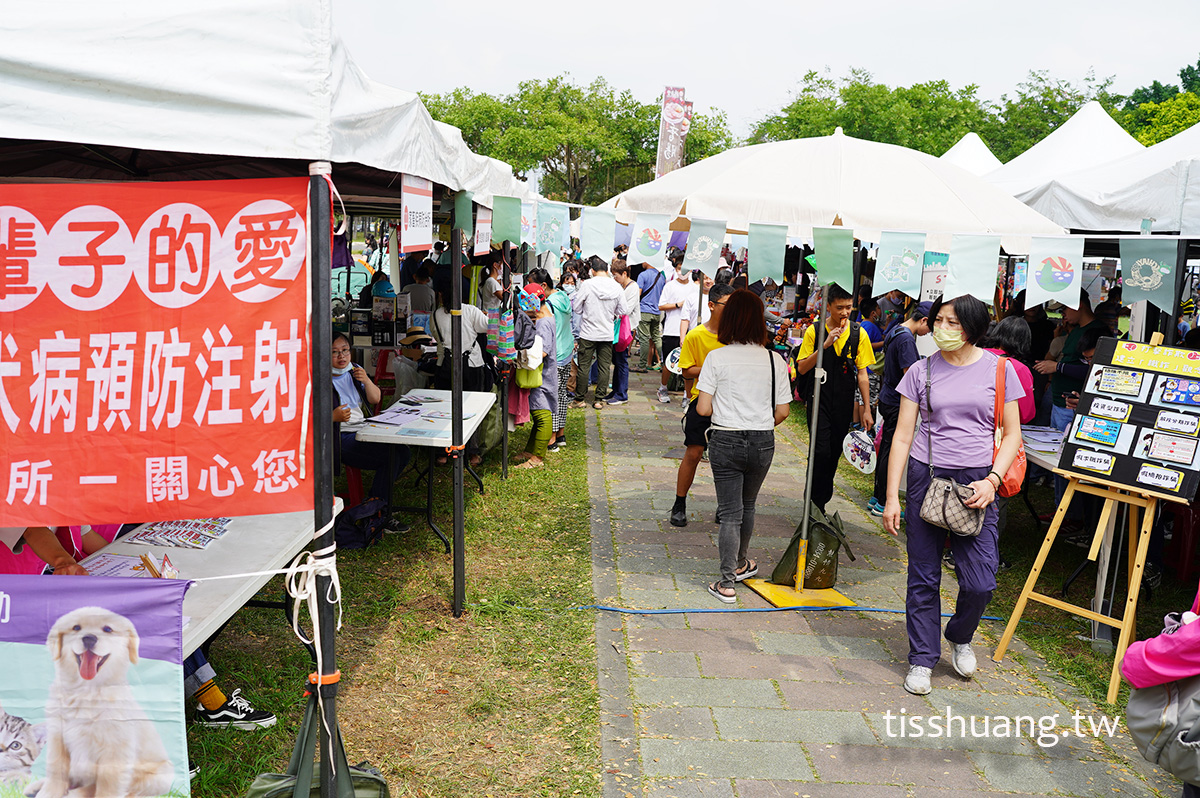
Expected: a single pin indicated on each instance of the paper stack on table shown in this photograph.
(195, 534)
(1046, 440)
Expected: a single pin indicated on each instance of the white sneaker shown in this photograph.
(917, 681)
(962, 658)
(663, 396)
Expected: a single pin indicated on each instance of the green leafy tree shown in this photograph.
(929, 117)
(1153, 122)
(586, 142)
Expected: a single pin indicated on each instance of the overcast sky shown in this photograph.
(747, 56)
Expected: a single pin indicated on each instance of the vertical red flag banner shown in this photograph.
(154, 351)
(671, 128)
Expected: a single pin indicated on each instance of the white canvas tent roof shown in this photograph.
(972, 154)
(806, 183)
(267, 81)
(1089, 138)
(1161, 183)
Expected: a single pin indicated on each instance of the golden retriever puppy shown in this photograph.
(99, 741)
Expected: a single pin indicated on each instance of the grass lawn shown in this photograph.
(1053, 634)
(500, 702)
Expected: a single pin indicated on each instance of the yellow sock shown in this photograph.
(210, 696)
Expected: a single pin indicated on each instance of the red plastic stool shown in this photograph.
(381, 374)
(354, 486)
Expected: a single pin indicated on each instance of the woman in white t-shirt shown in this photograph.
(744, 387)
(476, 375)
(490, 291)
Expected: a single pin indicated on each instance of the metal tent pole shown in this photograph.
(501, 366)
(320, 260)
(456, 410)
(818, 379)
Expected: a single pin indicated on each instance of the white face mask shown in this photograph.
(337, 372)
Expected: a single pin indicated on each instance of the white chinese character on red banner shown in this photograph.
(29, 477)
(111, 375)
(268, 242)
(223, 383)
(17, 247)
(178, 255)
(272, 377)
(162, 379)
(274, 470)
(8, 368)
(208, 476)
(89, 249)
(54, 392)
(166, 479)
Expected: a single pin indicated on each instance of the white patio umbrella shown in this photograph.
(806, 183)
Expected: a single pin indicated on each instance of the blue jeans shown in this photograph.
(740, 460)
(620, 389)
(975, 561)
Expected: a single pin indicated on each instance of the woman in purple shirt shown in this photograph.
(962, 395)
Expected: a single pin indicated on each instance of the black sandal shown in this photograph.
(750, 570)
(715, 590)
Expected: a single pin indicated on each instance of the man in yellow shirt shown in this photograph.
(696, 346)
(845, 363)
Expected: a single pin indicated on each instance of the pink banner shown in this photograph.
(672, 129)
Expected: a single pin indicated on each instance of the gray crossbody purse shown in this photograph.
(945, 500)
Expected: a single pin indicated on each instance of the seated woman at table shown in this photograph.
(355, 393)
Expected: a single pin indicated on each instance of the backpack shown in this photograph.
(524, 332)
(802, 388)
(362, 525)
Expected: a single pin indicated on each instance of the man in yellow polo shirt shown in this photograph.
(845, 363)
(695, 348)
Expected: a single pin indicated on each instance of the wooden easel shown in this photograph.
(1112, 493)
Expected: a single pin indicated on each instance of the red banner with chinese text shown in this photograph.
(154, 351)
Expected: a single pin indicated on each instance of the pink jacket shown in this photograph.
(1165, 658)
(1025, 403)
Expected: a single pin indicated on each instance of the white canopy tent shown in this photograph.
(1089, 138)
(1160, 183)
(972, 154)
(806, 183)
(263, 80)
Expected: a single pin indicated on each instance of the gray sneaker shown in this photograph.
(917, 681)
(962, 659)
(663, 396)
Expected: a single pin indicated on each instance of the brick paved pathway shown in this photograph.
(765, 705)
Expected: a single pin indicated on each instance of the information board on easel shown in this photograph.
(1133, 442)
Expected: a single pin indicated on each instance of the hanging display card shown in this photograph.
(1138, 420)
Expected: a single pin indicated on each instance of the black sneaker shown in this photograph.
(1152, 576)
(193, 769)
(679, 518)
(396, 527)
(235, 713)
(556, 446)
(948, 559)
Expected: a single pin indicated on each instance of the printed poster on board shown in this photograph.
(483, 231)
(154, 351)
(416, 206)
(1138, 420)
(91, 686)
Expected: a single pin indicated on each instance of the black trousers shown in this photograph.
(835, 417)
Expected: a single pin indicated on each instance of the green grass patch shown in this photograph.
(502, 701)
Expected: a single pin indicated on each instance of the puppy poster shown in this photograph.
(91, 687)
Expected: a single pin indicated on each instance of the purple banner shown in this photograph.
(91, 684)
(672, 128)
